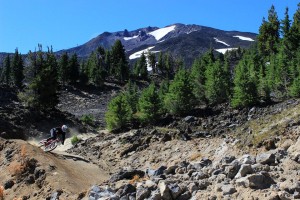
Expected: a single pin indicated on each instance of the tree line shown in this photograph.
(268, 71)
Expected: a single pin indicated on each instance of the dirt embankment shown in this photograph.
(30, 173)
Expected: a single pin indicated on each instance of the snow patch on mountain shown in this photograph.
(217, 40)
(160, 33)
(224, 50)
(244, 38)
(139, 53)
(130, 38)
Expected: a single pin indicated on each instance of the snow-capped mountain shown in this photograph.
(186, 41)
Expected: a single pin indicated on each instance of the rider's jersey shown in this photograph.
(58, 132)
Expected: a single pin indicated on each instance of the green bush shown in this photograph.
(74, 140)
(118, 113)
(88, 119)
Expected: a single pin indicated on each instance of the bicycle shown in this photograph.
(49, 145)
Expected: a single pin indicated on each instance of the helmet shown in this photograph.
(64, 128)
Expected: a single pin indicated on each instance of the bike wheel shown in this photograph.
(50, 146)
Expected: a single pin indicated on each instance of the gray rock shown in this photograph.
(247, 159)
(232, 169)
(8, 184)
(296, 195)
(228, 189)
(189, 119)
(171, 169)
(142, 193)
(256, 181)
(260, 167)
(266, 158)
(203, 184)
(164, 190)
(227, 159)
(128, 188)
(185, 196)
(155, 195)
(175, 190)
(244, 170)
(199, 175)
(283, 195)
(192, 187)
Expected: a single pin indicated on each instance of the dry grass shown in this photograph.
(195, 156)
(1, 192)
(267, 127)
(166, 130)
(137, 178)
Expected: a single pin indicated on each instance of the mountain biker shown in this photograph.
(58, 131)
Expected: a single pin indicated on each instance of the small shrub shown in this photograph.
(88, 119)
(74, 140)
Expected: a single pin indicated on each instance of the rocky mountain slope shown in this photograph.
(215, 153)
(185, 41)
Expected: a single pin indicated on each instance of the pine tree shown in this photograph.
(152, 61)
(7, 70)
(83, 76)
(63, 71)
(140, 69)
(294, 89)
(17, 69)
(245, 89)
(119, 63)
(96, 68)
(268, 37)
(293, 39)
(118, 113)
(149, 104)
(285, 23)
(199, 67)
(132, 96)
(216, 90)
(74, 68)
(180, 98)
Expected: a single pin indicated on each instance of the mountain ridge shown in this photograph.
(187, 41)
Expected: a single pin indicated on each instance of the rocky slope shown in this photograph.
(215, 153)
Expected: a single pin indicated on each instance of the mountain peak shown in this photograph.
(186, 41)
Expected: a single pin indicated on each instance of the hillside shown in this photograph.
(215, 153)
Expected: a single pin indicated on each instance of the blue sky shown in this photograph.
(68, 23)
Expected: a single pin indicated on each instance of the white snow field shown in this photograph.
(217, 40)
(244, 38)
(139, 53)
(160, 33)
(130, 38)
(223, 51)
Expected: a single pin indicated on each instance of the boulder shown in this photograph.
(228, 189)
(244, 170)
(256, 181)
(164, 190)
(232, 169)
(266, 158)
(142, 193)
(247, 159)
